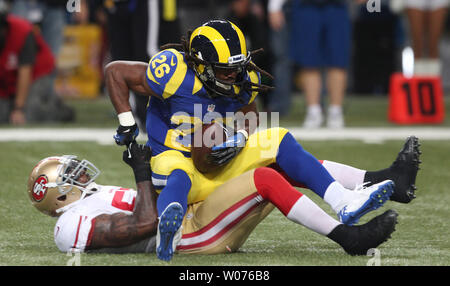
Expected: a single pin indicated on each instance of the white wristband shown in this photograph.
(244, 132)
(126, 118)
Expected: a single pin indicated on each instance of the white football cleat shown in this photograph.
(363, 200)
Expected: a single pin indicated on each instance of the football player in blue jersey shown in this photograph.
(207, 77)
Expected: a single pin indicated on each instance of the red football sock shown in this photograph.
(273, 187)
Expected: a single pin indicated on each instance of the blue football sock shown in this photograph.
(176, 190)
(302, 167)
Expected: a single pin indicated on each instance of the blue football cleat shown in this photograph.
(364, 201)
(169, 231)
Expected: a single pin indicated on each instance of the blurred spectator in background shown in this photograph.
(131, 34)
(250, 16)
(378, 39)
(278, 17)
(320, 38)
(26, 66)
(136, 29)
(426, 21)
(48, 15)
(97, 16)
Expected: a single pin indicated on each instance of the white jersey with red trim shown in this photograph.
(73, 230)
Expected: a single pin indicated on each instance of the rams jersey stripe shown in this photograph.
(197, 85)
(178, 76)
(254, 78)
(183, 103)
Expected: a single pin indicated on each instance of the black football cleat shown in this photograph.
(357, 240)
(404, 171)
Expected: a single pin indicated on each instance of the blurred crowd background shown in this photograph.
(322, 49)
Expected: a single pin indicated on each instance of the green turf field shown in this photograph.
(422, 236)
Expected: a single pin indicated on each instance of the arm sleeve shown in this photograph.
(28, 53)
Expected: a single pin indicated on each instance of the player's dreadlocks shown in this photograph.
(192, 61)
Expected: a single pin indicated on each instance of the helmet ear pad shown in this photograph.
(57, 200)
(70, 197)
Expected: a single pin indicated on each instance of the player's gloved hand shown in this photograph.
(137, 156)
(223, 153)
(126, 134)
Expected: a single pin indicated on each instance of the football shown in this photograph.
(204, 139)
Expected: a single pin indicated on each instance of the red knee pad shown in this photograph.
(272, 186)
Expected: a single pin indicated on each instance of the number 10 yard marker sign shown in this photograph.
(416, 100)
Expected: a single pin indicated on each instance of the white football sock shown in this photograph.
(347, 176)
(310, 215)
(335, 195)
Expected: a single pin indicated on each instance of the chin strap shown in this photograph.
(65, 208)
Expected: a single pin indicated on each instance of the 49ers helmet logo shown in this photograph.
(40, 188)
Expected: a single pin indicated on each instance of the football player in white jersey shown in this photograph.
(90, 215)
(97, 218)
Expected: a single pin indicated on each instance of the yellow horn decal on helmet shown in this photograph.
(241, 39)
(216, 39)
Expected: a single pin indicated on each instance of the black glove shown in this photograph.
(223, 156)
(138, 156)
(126, 134)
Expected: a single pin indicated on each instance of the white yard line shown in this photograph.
(373, 134)
(105, 135)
